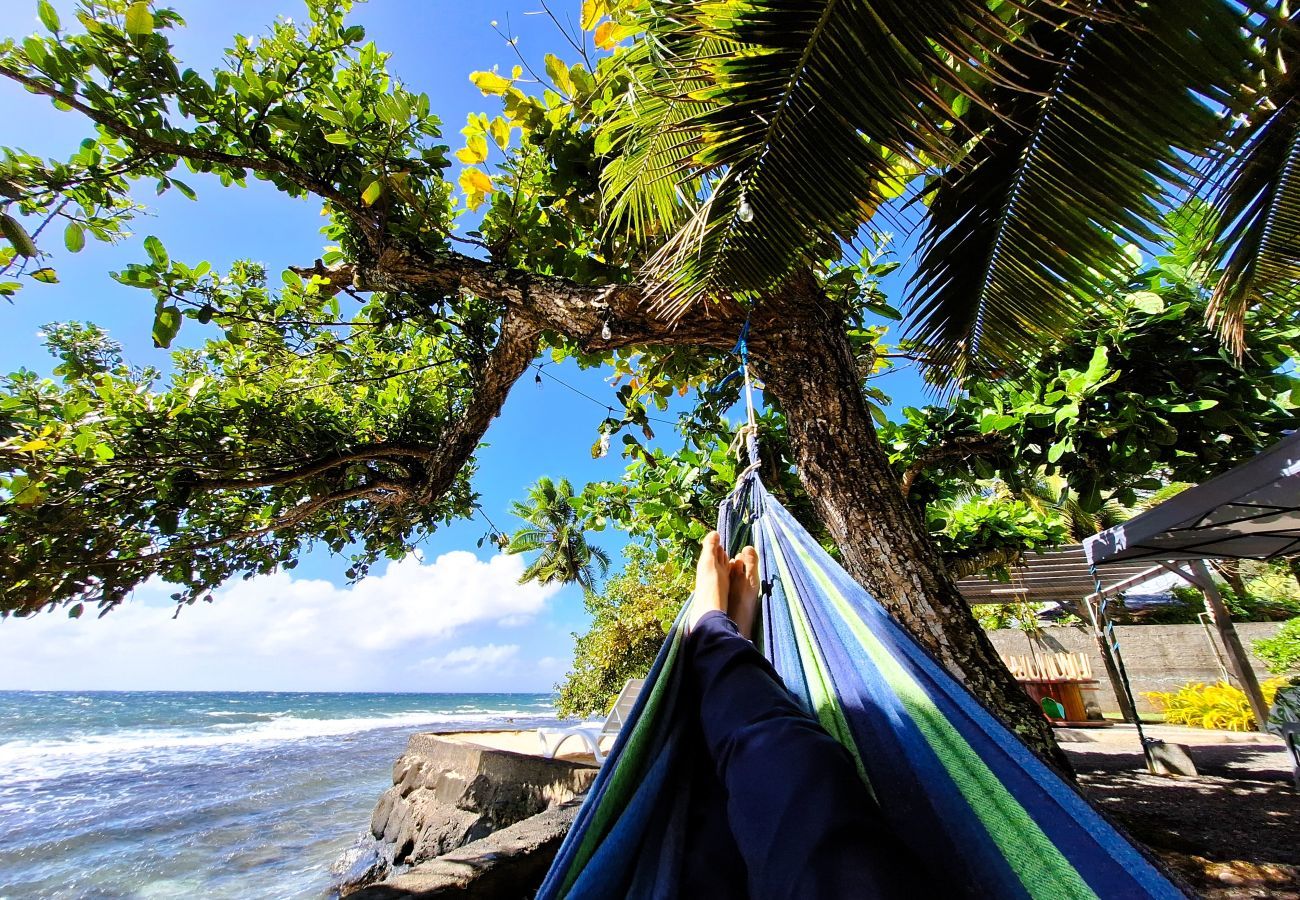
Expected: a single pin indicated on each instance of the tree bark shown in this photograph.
(808, 366)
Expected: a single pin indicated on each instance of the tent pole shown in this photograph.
(1237, 657)
(1126, 709)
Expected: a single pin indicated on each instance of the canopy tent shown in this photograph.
(1250, 512)
(1062, 575)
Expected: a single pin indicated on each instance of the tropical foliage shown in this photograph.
(629, 617)
(1281, 651)
(1221, 705)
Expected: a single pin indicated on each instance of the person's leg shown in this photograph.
(800, 815)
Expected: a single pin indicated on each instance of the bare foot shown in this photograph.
(742, 599)
(712, 579)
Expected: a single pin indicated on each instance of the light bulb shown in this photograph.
(745, 212)
(605, 331)
(604, 445)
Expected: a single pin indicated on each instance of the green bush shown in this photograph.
(1282, 651)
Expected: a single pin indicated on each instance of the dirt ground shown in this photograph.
(1232, 831)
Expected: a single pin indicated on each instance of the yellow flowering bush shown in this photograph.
(1220, 705)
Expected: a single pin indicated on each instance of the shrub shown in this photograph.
(1281, 652)
(1219, 705)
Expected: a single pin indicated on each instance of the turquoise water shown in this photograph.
(153, 795)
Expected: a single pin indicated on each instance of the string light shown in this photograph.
(605, 331)
(745, 212)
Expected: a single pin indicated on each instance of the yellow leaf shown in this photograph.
(32, 446)
(475, 150)
(500, 130)
(139, 21)
(592, 12)
(489, 83)
(372, 192)
(608, 34)
(559, 73)
(475, 180)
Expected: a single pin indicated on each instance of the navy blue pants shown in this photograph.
(779, 810)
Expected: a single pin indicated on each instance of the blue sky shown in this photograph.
(454, 620)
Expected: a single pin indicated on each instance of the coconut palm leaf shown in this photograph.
(1256, 193)
(649, 182)
(812, 113)
(1091, 144)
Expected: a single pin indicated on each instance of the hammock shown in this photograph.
(958, 787)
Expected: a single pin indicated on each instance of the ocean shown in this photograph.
(205, 795)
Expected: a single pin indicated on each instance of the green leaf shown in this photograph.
(157, 253)
(74, 237)
(75, 611)
(996, 422)
(1097, 365)
(139, 21)
(559, 74)
(1193, 406)
(17, 235)
(338, 137)
(49, 18)
(35, 48)
(46, 275)
(166, 324)
(1147, 301)
(1059, 449)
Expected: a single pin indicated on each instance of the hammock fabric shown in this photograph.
(958, 787)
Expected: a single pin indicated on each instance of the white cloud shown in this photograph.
(466, 660)
(277, 632)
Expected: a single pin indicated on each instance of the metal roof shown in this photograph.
(1250, 512)
(1056, 575)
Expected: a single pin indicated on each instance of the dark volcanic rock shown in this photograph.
(447, 794)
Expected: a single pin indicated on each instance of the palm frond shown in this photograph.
(1256, 196)
(1085, 153)
(648, 183)
(805, 126)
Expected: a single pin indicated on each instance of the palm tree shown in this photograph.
(556, 531)
(1038, 138)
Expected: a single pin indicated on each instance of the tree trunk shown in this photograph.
(808, 366)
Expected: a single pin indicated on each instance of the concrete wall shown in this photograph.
(1158, 657)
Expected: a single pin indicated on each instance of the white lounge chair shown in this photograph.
(591, 734)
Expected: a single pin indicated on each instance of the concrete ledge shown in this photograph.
(1178, 734)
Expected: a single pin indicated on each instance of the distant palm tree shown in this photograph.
(556, 531)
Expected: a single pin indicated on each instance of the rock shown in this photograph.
(1167, 758)
(383, 809)
(505, 865)
(448, 793)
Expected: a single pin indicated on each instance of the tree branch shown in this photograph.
(148, 143)
(964, 566)
(958, 447)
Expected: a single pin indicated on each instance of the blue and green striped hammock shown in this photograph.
(950, 779)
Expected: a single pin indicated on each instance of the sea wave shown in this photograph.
(39, 760)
